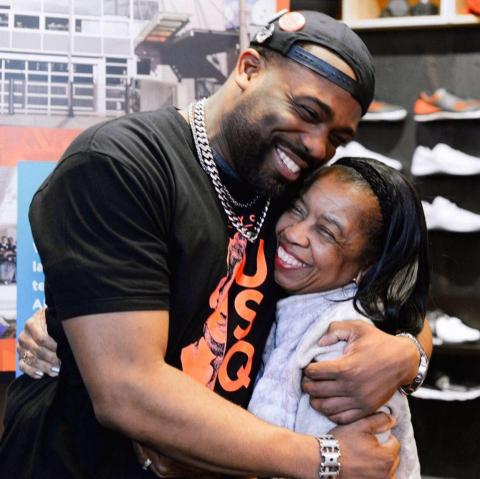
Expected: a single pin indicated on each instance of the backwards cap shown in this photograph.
(284, 33)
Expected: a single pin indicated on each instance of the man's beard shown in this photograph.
(248, 148)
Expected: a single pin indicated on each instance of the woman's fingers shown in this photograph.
(35, 367)
(36, 349)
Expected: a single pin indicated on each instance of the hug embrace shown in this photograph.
(202, 262)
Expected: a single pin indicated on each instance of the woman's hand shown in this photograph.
(36, 349)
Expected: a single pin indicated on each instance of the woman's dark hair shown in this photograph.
(393, 289)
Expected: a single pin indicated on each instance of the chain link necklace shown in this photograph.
(196, 116)
(201, 114)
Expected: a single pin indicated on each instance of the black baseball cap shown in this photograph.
(329, 33)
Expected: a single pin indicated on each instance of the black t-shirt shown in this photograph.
(129, 221)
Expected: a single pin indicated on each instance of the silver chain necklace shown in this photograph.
(196, 117)
(201, 115)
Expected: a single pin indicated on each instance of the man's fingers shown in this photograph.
(332, 406)
(324, 389)
(341, 331)
(393, 445)
(347, 417)
(337, 331)
(328, 369)
(379, 422)
(394, 468)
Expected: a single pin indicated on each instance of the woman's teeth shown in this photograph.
(289, 259)
(290, 164)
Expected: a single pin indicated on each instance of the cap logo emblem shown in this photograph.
(292, 22)
(265, 33)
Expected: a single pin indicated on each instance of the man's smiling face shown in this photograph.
(290, 121)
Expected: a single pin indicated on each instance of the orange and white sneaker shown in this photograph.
(383, 111)
(474, 6)
(442, 105)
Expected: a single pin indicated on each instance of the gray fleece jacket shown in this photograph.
(292, 344)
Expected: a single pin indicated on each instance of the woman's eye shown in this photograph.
(296, 210)
(326, 233)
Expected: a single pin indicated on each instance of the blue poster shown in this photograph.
(30, 280)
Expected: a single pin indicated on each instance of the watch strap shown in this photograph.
(422, 366)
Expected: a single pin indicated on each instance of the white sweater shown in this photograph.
(291, 346)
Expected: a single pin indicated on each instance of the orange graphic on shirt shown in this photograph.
(206, 359)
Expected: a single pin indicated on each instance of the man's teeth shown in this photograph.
(291, 165)
(289, 259)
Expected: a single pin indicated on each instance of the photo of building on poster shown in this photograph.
(66, 65)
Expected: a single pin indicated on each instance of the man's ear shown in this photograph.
(249, 65)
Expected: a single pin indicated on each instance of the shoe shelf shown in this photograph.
(365, 15)
(457, 349)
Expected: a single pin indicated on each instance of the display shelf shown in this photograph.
(447, 395)
(458, 349)
(365, 15)
(413, 22)
(464, 20)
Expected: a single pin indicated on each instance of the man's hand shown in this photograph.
(362, 456)
(163, 466)
(36, 349)
(374, 365)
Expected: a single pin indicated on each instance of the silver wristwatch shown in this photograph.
(422, 367)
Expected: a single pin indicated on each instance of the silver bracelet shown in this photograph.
(329, 457)
(422, 367)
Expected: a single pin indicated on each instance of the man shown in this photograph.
(133, 228)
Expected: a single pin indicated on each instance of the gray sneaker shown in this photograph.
(442, 105)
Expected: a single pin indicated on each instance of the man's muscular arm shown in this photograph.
(358, 445)
(373, 367)
(134, 391)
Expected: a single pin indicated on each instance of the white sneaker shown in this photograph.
(356, 149)
(452, 330)
(442, 214)
(443, 159)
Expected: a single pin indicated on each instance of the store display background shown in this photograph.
(407, 62)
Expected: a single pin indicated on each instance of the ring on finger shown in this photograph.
(146, 464)
(27, 358)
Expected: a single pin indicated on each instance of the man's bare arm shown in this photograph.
(133, 390)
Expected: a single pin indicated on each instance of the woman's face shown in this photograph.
(322, 237)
